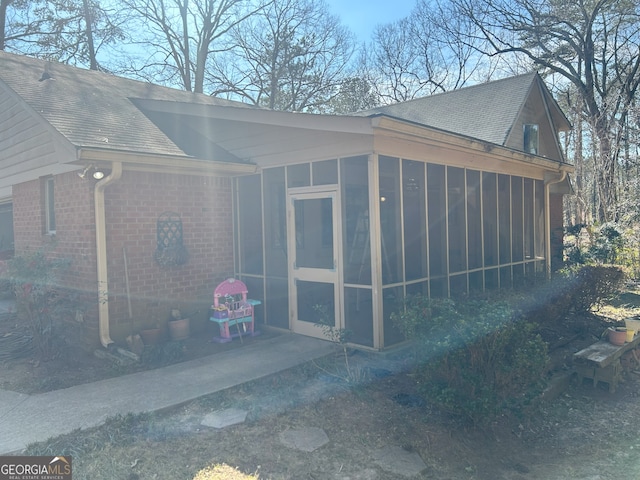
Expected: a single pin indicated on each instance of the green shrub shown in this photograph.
(420, 316)
(496, 373)
(162, 354)
(593, 285)
(475, 357)
(40, 302)
(582, 288)
(600, 244)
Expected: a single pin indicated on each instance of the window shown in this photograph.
(6, 226)
(49, 210)
(531, 138)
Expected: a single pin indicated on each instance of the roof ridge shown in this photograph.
(133, 84)
(533, 74)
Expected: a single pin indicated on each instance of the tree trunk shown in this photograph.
(4, 4)
(88, 21)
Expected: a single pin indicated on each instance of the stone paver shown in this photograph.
(305, 439)
(398, 461)
(224, 418)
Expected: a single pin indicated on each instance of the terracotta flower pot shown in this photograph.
(179, 329)
(151, 336)
(617, 336)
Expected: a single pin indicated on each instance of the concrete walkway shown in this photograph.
(25, 419)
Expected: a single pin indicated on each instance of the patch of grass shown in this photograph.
(120, 430)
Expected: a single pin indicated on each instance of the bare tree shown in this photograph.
(182, 36)
(593, 44)
(293, 55)
(70, 31)
(423, 54)
(393, 63)
(4, 6)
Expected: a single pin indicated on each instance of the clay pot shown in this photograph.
(151, 336)
(179, 329)
(617, 336)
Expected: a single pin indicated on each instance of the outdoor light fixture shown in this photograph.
(96, 173)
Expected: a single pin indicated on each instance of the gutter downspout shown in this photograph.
(547, 217)
(101, 253)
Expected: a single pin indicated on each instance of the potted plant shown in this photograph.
(152, 335)
(178, 326)
(617, 335)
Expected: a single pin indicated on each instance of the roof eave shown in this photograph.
(383, 122)
(179, 165)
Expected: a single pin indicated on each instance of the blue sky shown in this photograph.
(363, 15)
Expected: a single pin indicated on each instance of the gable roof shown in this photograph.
(93, 109)
(485, 111)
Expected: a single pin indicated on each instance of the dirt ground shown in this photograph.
(585, 433)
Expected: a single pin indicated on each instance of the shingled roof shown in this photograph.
(486, 111)
(95, 109)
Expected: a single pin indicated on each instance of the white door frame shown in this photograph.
(314, 274)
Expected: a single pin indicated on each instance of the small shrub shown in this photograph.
(573, 290)
(420, 316)
(162, 354)
(500, 371)
(40, 302)
(475, 357)
(590, 286)
(353, 374)
(603, 244)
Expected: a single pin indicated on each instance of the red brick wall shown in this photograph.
(28, 217)
(133, 205)
(74, 238)
(75, 232)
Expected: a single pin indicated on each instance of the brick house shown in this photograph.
(454, 193)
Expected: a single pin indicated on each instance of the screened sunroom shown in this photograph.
(447, 195)
(344, 240)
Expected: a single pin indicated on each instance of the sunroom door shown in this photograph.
(313, 250)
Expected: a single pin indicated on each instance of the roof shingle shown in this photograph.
(94, 109)
(486, 111)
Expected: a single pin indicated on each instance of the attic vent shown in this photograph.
(531, 138)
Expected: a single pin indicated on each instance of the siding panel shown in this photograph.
(27, 143)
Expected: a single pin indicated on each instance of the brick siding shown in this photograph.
(133, 205)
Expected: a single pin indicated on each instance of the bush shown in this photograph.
(598, 244)
(40, 303)
(573, 290)
(496, 373)
(591, 286)
(162, 354)
(474, 357)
